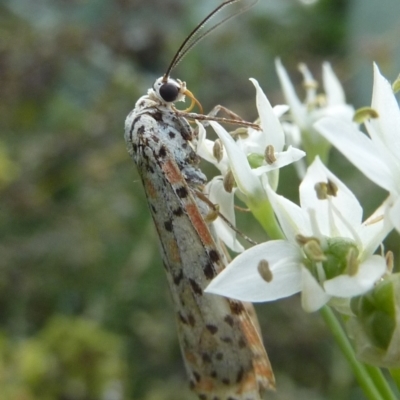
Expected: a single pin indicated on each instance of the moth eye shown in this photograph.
(169, 91)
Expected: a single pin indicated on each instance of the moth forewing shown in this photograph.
(221, 346)
(223, 353)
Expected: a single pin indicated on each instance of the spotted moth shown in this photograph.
(221, 345)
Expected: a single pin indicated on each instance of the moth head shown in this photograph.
(170, 91)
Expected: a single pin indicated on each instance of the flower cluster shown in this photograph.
(322, 248)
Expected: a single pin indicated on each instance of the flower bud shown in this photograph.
(341, 255)
(374, 327)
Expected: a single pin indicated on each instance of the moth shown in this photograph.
(221, 346)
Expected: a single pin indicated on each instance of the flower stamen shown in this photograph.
(389, 258)
(229, 181)
(264, 271)
(269, 154)
(325, 189)
(218, 150)
(352, 263)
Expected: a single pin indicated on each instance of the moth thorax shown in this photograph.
(169, 90)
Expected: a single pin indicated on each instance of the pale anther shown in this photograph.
(365, 113)
(269, 154)
(325, 189)
(264, 271)
(240, 133)
(229, 181)
(389, 258)
(218, 150)
(313, 251)
(212, 214)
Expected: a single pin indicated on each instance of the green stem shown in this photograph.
(380, 382)
(266, 217)
(359, 370)
(395, 372)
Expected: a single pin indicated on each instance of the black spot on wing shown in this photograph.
(196, 376)
(212, 329)
(214, 255)
(141, 130)
(157, 115)
(178, 278)
(195, 287)
(229, 320)
(236, 307)
(240, 375)
(182, 192)
(241, 343)
(178, 212)
(168, 225)
(163, 152)
(209, 271)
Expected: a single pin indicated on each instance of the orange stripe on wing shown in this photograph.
(198, 222)
(175, 177)
(172, 172)
(261, 364)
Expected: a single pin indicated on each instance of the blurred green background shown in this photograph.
(85, 311)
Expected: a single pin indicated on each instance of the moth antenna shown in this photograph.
(193, 39)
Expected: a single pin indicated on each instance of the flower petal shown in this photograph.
(313, 296)
(349, 286)
(388, 123)
(246, 181)
(394, 214)
(283, 158)
(272, 128)
(292, 219)
(204, 149)
(241, 279)
(359, 150)
(218, 195)
(385, 153)
(280, 109)
(296, 107)
(332, 86)
(344, 202)
(374, 229)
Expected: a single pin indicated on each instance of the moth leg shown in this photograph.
(218, 109)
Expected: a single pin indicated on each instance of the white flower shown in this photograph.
(300, 131)
(253, 145)
(218, 195)
(315, 106)
(249, 179)
(328, 252)
(376, 156)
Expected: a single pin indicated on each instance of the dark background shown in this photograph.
(85, 311)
